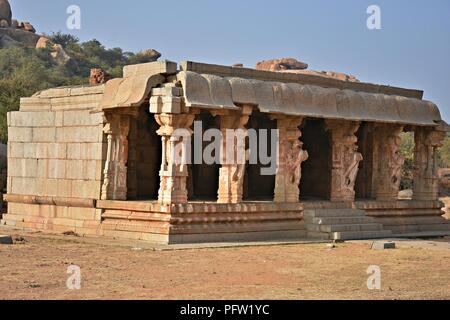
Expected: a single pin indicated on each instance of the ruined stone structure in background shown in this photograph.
(98, 76)
(100, 160)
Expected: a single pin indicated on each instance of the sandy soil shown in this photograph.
(37, 269)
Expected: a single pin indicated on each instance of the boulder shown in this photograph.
(150, 55)
(5, 11)
(281, 65)
(57, 51)
(28, 27)
(4, 23)
(25, 38)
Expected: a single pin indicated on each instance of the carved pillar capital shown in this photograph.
(345, 158)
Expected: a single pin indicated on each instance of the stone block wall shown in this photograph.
(56, 151)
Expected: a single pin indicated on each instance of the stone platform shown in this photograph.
(197, 222)
(202, 222)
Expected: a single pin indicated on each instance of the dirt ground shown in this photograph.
(36, 268)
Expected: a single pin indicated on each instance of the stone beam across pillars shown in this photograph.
(117, 129)
(389, 161)
(233, 154)
(290, 159)
(345, 159)
(427, 141)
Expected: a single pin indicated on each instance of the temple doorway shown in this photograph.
(144, 157)
(316, 171)
(203, 179)
(364, 179)
(258, 186)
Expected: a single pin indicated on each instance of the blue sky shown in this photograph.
(411, 50)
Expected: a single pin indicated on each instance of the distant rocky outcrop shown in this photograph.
(291, 65)
(13, 32)
(57, 52)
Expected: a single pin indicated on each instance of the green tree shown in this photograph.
(444, 153)
(407, 151)
(24, 71)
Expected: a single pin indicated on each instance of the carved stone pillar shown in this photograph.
(115, 173)
(427, 140)
(345, 159)
(176, 134)
(290, 159)
(233, 156)
(389, 162)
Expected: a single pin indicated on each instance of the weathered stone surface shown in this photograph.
(8, 42)
(17, 134)
(23, 37)
(326, 74)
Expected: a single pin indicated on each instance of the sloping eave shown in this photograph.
(215, 92)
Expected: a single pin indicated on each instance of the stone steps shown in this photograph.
(342, 224)
(333, 213)
(356, 235)
(344, 227)
(419, 228)
(342, 220)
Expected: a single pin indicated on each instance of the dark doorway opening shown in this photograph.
(203, 180)
(257, 186)
(364, 179)
(316, 171)
(144, 157)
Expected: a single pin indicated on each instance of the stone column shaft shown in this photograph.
(233, 156)
(290, 158)
(390, 161)
(176, 138)
(115, 173)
